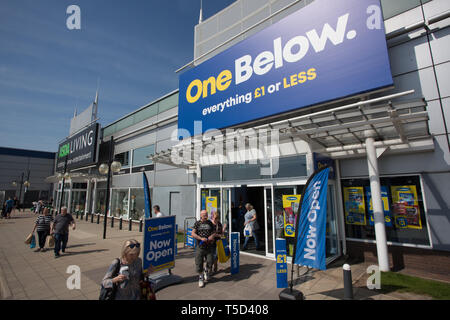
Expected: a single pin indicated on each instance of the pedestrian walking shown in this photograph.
(157, 211)
(42, 226)
(218, 230)
(16, 203)
(9, 207)
(203, 232)
(4, 210)
(60, 229)
(125, 275)
(250, 219)
(39, 207)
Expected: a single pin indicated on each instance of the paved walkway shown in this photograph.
(25, 274)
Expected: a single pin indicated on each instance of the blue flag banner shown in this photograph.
(159, 243)
(148, 201)
(281, 266)
(311, 227)
(235, 252)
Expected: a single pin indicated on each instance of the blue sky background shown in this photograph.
(46, 70)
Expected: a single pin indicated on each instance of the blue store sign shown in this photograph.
(324, 51)
(281, 266)
(159, 243)
(234, 252)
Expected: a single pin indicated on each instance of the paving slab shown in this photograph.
(38, 275)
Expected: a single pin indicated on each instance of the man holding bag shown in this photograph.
(203, 231)
(60, 228)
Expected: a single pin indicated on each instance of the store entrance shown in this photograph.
(240, 196)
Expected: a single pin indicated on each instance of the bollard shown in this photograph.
(129, 224)
(140, 225)
(112, 222)
(98, 218)
(120, 223)
(92, 218)
(87, 216)
(348, 287)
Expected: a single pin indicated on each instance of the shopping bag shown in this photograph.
(33, 242)
(222, 255)
(49, 241)
(248, 230)
(28, 239)
(147, 292)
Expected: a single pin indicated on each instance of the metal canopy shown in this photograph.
(338, 132)
(76, 177)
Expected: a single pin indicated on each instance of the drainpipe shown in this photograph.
(377, 203)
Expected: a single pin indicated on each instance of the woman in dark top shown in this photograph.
(128, 282)
(42, 226)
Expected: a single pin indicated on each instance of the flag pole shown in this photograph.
(291, 285)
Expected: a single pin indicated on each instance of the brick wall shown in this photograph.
(426, 263)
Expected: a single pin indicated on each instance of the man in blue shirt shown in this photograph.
(9, 206)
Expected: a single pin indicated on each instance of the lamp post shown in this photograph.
(63, 176)
(22, 183)
(105, 169)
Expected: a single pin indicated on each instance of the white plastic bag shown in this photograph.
(248, 230)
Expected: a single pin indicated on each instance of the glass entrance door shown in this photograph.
(331, 237)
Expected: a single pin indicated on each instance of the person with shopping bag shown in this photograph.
(217, 236)
(42, 226)
(250, 225)
(125, 278)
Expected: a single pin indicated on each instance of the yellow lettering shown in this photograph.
(211, 81)
(312, 74)
(196, 83)
(302, 77)
(224, 80)
(294, 80)
(285, 85)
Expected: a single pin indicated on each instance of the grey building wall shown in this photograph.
(164, 179)
(422, 64)
(14, 162)
(418, 62)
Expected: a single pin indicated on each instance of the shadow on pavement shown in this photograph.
(81, 245)
(83, 252)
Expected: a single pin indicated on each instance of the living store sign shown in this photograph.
(325, 51)
(79, 150)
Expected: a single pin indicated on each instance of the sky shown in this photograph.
(129, 48)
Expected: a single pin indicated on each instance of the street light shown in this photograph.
(14, 183)
(105, 169)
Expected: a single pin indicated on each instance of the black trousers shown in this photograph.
(42, 235)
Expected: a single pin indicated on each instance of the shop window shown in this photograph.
(124, 159)
(100, 198)
(244, 171)
(140, 155)
(405, 220)
(137, 203)
(79, 185)
(78, 201)
(294, 166)
(210, 174)
(392, 8)
(210, 201)
(119, 203)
